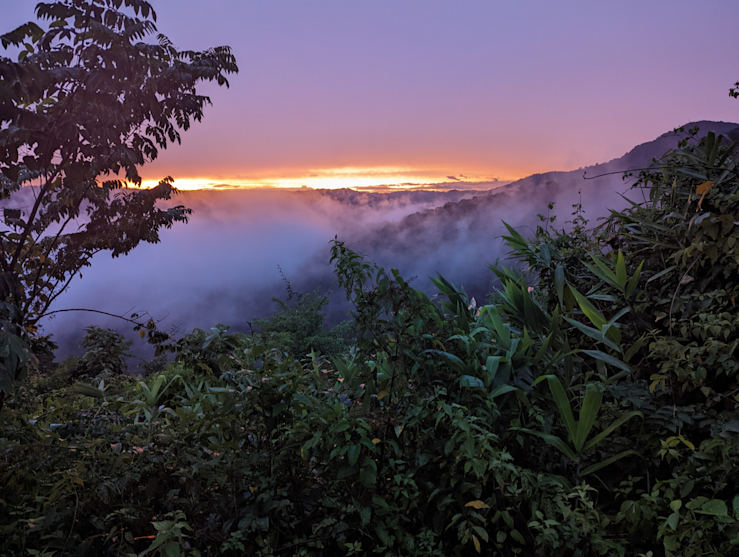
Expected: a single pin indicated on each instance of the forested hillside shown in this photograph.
(454, 236)
(587, 407)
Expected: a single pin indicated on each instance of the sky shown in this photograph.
(336, 93)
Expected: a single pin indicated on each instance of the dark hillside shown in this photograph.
(461, 237)
(594, 414)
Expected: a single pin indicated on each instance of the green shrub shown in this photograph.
(64, 375)
(105, 354)
(299, 328)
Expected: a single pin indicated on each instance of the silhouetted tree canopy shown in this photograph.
(87, 102)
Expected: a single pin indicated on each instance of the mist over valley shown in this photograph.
(240, 245)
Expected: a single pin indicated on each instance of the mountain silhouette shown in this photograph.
(458, 237)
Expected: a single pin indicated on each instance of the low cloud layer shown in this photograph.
(222, 267)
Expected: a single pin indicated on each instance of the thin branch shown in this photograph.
(655, 168)
(585, 177)
(96, 311)
(5, 264)
(73, 274)
(53, 244)
(31, 217)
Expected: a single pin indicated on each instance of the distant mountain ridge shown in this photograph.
(444, 237)
(636, 159)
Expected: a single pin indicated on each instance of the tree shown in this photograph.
(87, 102)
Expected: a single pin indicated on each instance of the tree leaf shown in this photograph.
(482, 533)
(606, 462)
(563, 405)
(559, 283)
(620, 270)
(87, 390)
(503, 389)
(633, 281)
(590, 311)
(516, 535)
(704, 187)
(491, 366)
(353, 454)
(594, 334)
(714, 507)
(611, 428)
(603, 357)
(697, 219)
(552, 440)
(471, 382)
(602, 271)
(661, 274)
(588, 414)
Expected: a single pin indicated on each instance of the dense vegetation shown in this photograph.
(590, 410)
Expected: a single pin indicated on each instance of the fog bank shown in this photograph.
(224, 265)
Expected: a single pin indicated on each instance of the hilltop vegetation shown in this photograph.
(590, 410)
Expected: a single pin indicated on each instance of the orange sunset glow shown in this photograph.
(383, 178)
(386, 93)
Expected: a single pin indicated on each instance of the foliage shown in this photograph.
(106, 352)
(591, 410)
(43, 348)
(299, 328)
(60, 377)
(87, 101)
(16, 358)
(203, 352)
(155, 365)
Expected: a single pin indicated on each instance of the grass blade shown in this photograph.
(563, 405)
(611, 428)
(588, 413)
(552, 440)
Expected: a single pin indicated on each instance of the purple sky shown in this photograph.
(409, 90)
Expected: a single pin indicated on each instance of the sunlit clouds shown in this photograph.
(388, 92)
(367, 179)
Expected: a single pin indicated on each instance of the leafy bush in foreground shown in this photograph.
(592, 410)
(299, 328)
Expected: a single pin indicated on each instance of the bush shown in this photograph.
(299, 328)
(106, 353)
(64, 375)
(155, 365)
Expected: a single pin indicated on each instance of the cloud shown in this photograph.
(223, 265)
